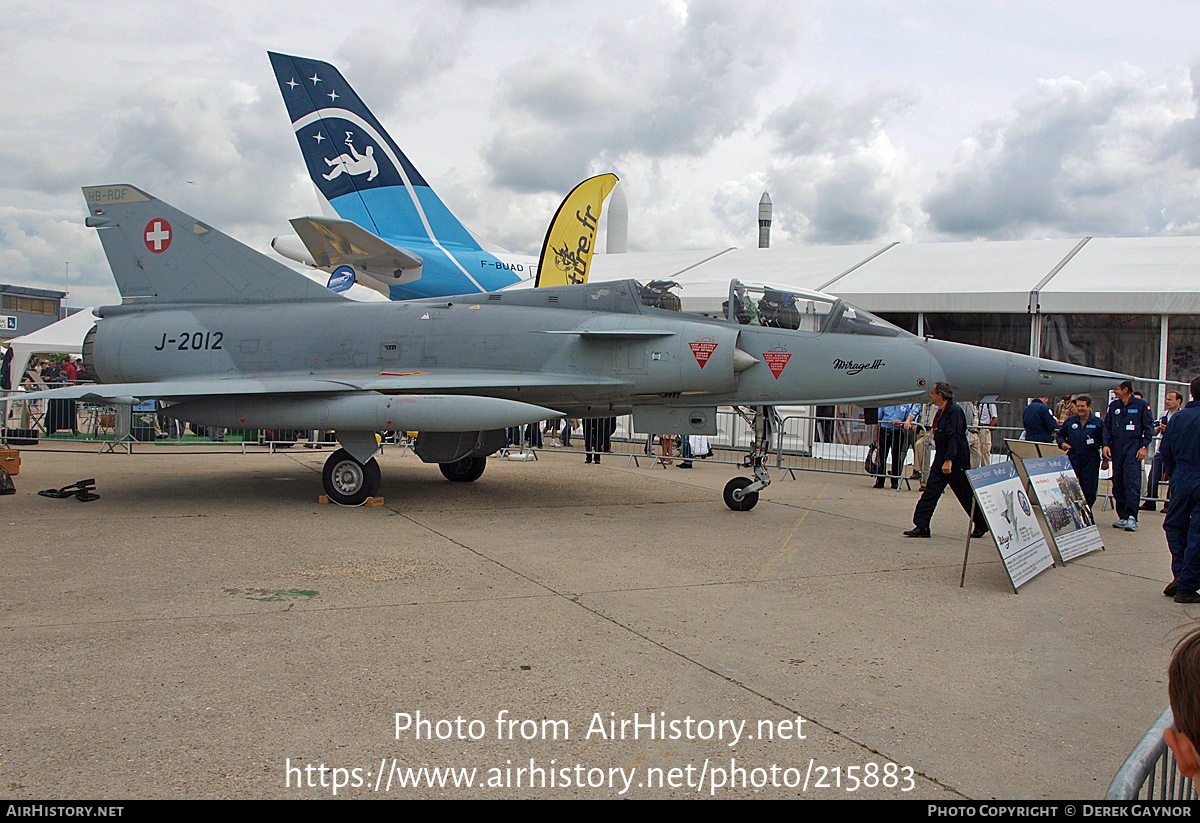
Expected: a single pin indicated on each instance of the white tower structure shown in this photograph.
(764, 221)
(618, 221)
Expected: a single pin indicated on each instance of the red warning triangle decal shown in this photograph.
(703, 349)
(777, 358)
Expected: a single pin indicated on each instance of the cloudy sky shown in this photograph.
(867, 121)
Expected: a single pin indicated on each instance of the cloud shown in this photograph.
(665, 215)
(837, 176)
(212, 146)
(390, 64)
(505, 104)
(36, 245)
(1113, 155)
(823, 121)
(667, 84)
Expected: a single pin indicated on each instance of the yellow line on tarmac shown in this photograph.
(784, 554)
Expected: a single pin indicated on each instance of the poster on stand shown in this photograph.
(1014, 527)
(1068, 516)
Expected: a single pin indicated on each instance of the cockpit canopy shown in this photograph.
(775, 307)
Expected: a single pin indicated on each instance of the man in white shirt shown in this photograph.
(1174, 401)
(921, 424)
(988, 415)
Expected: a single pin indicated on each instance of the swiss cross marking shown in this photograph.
(777, 358)
(703, 349)
(157, 235)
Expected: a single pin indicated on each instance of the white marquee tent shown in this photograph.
(64, 337)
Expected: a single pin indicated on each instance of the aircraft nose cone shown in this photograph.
(976, 372)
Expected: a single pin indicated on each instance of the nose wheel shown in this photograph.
(348, 482)
(736, 496)
(741, 493)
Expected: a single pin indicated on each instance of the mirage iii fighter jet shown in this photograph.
(227, 337)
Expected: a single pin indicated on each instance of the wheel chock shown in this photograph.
(370, 502)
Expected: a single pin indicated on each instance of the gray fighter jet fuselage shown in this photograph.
(226, 337)
(580, 350)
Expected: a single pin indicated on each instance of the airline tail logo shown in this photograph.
(323, 107)
(353, 163)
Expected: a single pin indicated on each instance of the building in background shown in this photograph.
(24, 310)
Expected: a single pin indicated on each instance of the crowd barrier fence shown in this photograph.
(1151, 772)
(801, 442)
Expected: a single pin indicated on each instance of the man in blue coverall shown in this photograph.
(1082, 438)
(1039, 421)
(1181, 460)
(1128, 429)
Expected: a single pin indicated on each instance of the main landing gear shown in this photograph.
(351, 473)
(466, 470)
(349, 482)
(741, 493)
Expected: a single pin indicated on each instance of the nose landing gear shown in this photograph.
(741, 493)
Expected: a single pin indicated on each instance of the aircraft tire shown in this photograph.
(348, 482)
(466, 470)
(746, 503)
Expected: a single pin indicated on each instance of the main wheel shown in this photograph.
(747, 502)
(466, 470)
(349, 482)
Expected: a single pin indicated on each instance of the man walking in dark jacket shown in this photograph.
(952, 458)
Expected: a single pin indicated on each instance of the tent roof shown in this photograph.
(1125, 275)
(1128, 275)
(798, 267)
(949, 277)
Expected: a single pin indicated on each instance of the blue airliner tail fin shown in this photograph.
(355, 163)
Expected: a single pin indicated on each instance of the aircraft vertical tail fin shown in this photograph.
(353, 161)
(158, 254)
